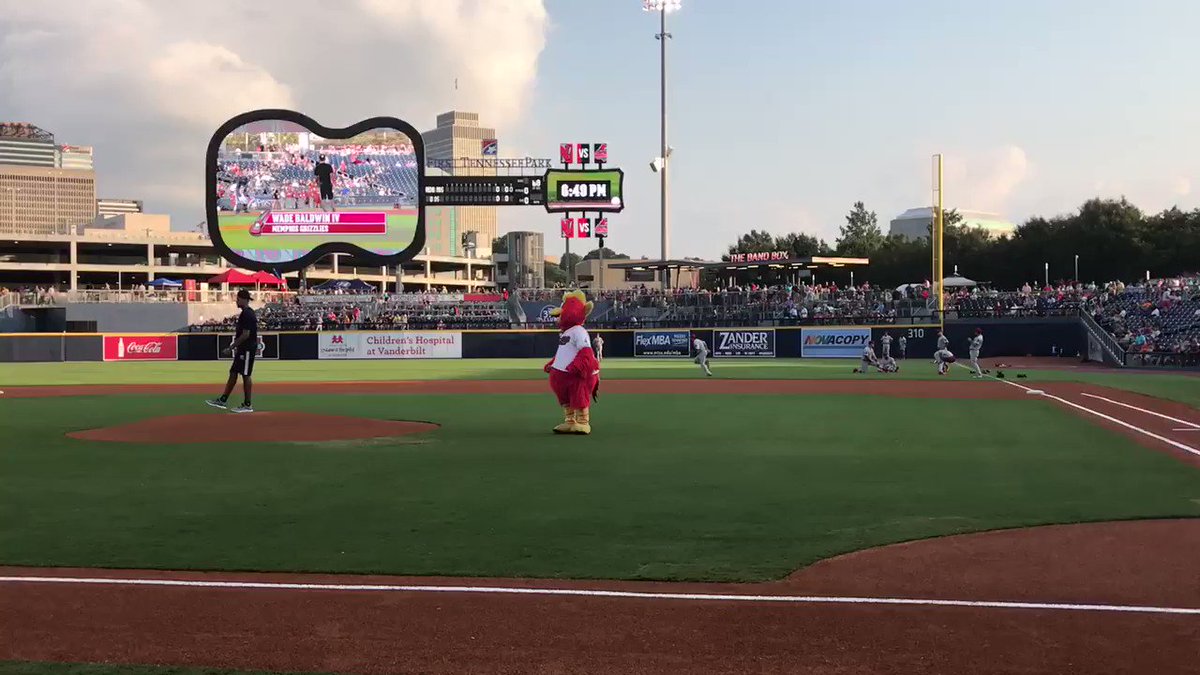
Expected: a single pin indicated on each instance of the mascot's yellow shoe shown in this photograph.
(583, 422)
(568, 424)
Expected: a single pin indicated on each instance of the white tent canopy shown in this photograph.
(958, 281)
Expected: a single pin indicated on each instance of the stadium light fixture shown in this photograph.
(663, 7)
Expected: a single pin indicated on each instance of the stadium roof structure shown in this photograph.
(26, 131)
(755, 261)
(681, 264)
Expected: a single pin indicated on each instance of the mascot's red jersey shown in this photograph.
(574, 371)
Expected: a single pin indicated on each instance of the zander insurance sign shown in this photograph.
(390, 345)
(833, 343)
(748, 342)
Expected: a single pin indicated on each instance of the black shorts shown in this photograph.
(243, 363)
(326, 192)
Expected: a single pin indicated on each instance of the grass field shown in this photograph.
(697, 487)
(1182, 388)
(402, 226)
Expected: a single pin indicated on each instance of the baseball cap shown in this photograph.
(243, 294)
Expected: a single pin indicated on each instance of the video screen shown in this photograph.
(283, 191)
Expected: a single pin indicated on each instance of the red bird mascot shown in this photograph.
(574, 372)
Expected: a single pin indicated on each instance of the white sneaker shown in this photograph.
(242, 409)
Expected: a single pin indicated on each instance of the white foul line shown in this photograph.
(1186, 448)
(636, 595)
(1148, 412)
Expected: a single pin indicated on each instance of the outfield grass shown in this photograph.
(697, 487)
(1183, 388)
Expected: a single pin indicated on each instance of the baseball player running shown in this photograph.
(886, 343)
(701, 355)
(976, 345)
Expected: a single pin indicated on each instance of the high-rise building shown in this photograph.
(23, 144)
(45, 188)
(459, 136)
(526, 262)
(75, 157)
(40, 200)
(118, 207)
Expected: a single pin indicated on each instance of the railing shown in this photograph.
(1107, 342)
(1162, 360)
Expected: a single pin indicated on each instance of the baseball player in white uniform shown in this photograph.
(942, 343)
(976, 345)
(886, 343)
(868, 359)
(888, 365)
(701, 355)
(903, 346)
(943, 358)
(598, 347)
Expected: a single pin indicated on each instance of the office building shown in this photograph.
(459, 136)
(23, 144)
(117, 207)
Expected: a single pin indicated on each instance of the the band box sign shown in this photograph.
(833, 343)
(141, 347)
(748, 342)
(661, 343)
(390, 345)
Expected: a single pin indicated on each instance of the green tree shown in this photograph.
(500, 245)
(609, 254)
(799, 245)
(860, 236)
(753, 242)
(556, 277)
(568, 262)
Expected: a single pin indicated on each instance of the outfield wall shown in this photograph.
(1003, 337)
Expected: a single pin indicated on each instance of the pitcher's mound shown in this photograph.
(259, 426)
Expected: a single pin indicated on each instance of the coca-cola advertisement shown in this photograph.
(141, 348)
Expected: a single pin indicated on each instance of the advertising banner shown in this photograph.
(747, 342)
(390, 345)
(141, 347)
(661, 343)
(834, 343)
(268, 346)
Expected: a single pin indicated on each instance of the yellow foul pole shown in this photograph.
(935, 238)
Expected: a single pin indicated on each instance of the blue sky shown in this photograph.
(782, 115)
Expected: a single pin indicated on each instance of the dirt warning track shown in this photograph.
(837, 622)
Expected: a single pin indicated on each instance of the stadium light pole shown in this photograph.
(1076, 268)
(663, 7)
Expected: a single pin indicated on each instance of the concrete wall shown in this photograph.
(131, 317)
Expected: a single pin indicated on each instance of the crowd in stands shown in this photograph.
(366, 174)
(1160, 316)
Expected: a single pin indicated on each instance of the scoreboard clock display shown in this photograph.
(485, 190)
(584, 190)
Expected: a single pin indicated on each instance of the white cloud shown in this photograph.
(1181, 186)
(985, 181)
(147, 81)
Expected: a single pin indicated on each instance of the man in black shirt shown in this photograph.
(243, 349)
(324, 173)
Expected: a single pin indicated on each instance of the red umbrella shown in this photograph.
(268, 279)
(234, 278)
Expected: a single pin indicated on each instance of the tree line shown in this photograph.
(1113, 239)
